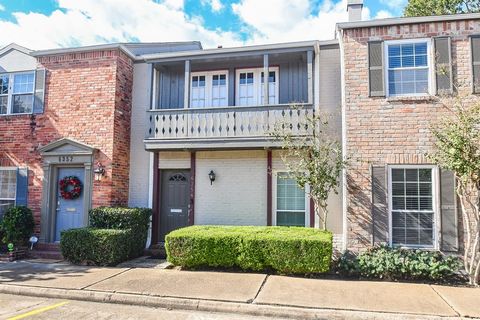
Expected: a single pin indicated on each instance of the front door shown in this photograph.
(69, 212)
(175, 195)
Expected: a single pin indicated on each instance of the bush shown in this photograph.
(292, 250)
(135, 219)
(17, 225)
(383, 262)
(104, 247)
(115, 235)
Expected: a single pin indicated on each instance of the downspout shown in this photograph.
(339, 35)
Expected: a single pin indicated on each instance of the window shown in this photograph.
(250, 84)
(290, 202)
(408, 67)
(412, 207)
(209, 89)
(8, 188)
(16, 92)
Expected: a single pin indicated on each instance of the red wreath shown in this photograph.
(70, 188)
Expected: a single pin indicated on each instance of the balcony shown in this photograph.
(229, 98)
(224, 127)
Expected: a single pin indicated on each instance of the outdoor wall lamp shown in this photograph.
(99, 171)
(211, 175)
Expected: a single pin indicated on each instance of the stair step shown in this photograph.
(45, 254)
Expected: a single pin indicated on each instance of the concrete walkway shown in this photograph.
(250, 293)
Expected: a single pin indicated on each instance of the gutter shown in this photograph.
(407, 20)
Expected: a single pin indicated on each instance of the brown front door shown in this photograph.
(175, 195)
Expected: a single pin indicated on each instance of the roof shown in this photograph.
(407, 20)
(220, 52)
(127, 48)
(14, 46)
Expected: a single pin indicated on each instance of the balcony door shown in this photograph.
(250, 84)
(209, 89)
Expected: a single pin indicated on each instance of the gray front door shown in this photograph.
(69, 212)
(175, 195)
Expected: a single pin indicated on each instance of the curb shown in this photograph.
(207, 305)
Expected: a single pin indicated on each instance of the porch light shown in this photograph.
(99, 171)
(211, 175)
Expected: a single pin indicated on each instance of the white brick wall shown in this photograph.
(238, 195)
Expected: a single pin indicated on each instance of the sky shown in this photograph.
(46, 24)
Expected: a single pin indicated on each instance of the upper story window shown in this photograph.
(16, 92)
(209, 89)
(408, 67)
(250, 84)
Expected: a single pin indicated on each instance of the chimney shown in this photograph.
(354, 9)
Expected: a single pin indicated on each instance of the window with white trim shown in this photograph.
(408, 67)
(250, 84)
(209, 89)
(291, 208)
(8, 188)
(16, 92)
(412, 207)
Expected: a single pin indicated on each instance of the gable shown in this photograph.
(15, 60)
(66, 146)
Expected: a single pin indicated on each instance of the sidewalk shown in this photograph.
(249, 293)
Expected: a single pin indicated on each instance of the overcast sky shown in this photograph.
(44, 24)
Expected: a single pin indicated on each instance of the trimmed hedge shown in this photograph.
(115, 234)
(290, 250)
(104, 247)
(135, 219)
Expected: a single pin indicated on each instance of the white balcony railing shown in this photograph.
(226, 122)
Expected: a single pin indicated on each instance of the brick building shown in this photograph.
(186, 131)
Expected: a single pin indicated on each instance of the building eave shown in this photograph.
(407, 20)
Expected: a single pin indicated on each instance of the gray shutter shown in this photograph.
(22, 187)
(475, 47)
(39, 95)
(443, 65)
(380, 204)
(376, 76)
(449, 216)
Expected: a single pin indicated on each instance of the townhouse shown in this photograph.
(185, 130)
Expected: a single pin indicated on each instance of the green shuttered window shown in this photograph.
(291, 202)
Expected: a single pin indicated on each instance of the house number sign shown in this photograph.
(65, 159)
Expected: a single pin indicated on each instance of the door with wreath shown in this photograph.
(69, 199)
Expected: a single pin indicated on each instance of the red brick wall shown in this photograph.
(88, 99)
(381, 131)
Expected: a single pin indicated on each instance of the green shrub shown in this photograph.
(17, 225)
(135, 219)
(384, 262)
(284, 249)
(104, 247)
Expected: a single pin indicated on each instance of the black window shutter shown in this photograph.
(380, 205)
(475, 47)
(376, 74)
(449, 216)
(443, 65)
(39, 95)
(22, 187)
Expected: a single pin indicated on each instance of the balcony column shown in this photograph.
(265, 80)
(186, 95)
(310, 75)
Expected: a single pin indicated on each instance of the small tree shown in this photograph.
(312, 156)
(457, 148)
